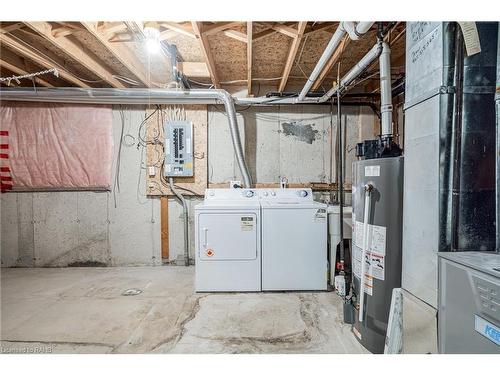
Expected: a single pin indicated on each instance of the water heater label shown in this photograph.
(372, 171)
(488, 330)
(247, 223)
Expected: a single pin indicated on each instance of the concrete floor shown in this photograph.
(82, 310)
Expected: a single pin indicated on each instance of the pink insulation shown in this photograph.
(58, 146)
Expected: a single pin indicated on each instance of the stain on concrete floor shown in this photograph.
(81, 310)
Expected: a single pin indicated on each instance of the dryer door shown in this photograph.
(227, 236)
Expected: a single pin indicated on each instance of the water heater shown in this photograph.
(377, 201)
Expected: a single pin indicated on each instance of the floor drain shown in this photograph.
(131, 292)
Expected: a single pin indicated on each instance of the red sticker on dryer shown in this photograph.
(209, 253)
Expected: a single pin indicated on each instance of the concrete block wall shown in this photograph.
(63, 228)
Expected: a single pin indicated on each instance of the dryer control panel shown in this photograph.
(288, 195)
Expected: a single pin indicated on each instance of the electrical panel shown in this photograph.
(178, 149)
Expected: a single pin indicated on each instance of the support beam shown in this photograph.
(207, 53)
(263, 34)
(291, 55)
(77, 52)
(238, 35)
(333, 60)
(31, 54)
(249, 57)
(112, 27)
(178, 28)
(15, 64)
(10, 28)
(324, 26)
(286, 30)
(59, 31)
(164, 227)
(194, 69)
(220, 26)
(121, 52)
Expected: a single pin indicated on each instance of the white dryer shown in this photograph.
(228, 249)
(294, 240)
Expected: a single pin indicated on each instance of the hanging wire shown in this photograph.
(30, 76)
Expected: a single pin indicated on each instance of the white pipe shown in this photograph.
(139, 96)
(385, 90)
(355, 32)
(355, 71)
(368, 189)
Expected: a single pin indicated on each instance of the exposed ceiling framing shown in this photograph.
(249, 57)
(207, 53)
(292, 54)
(90, 54)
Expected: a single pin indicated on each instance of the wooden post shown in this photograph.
(164, 227)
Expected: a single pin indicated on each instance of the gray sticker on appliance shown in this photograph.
(247, 223)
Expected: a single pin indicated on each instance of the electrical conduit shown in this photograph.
(185, 218)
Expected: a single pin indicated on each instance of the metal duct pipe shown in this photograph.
(139, 96)
(385, 91)
(185, 217)
(359, 68)
(355, 32)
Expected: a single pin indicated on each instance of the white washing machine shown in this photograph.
(294, 240)
(228, 246)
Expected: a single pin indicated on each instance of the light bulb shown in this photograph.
(152, 35)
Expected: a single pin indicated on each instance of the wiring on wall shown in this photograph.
(116, 186)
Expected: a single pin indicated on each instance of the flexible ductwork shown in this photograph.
(355, 31)
(139, 96)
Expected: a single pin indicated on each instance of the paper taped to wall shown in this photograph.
(471, 37)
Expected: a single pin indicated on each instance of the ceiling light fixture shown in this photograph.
(152, 34)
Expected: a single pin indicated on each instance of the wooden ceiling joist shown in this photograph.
(249, 57)
(333, 60)
(220, 26)
(207, 53)
(238, 35)
(17, 65)
(10, 28)
(179, 28)
(194, 69)
(286, 30)
(31, 54)
(324, 26)
(291, 55)
(112, 27)
(75, 51)
(120, 51)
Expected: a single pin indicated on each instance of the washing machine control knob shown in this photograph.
(249, 194)
(273, 193)
(303, 193)
(265, 194)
